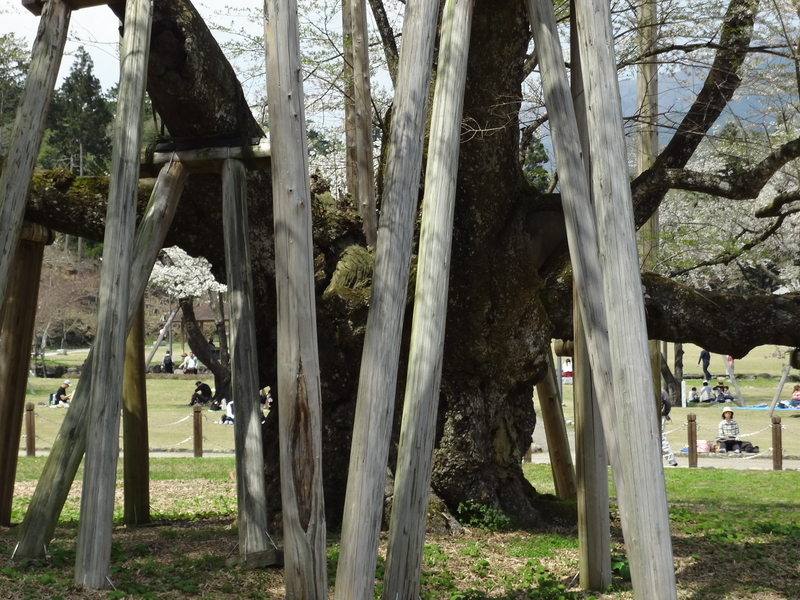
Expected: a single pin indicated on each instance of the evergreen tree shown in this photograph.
(79, 121)
(13, 67)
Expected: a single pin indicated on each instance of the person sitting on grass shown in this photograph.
(202, 394)
(706, 393)
(694, 396)
(728, 432)
(795, 401)
(62, 398)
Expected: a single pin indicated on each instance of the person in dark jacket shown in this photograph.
(202, 394)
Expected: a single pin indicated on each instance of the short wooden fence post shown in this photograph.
(30, 430)
(198, 431)
(692, 427)
(777, 444)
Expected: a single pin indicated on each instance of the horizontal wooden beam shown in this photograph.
(33, 232)
(208, 159)
(36, 6)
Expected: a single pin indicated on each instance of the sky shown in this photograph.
(95, 28)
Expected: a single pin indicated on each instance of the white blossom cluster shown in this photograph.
(184, 276)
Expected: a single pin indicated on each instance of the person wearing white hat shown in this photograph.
(728, 433)
(61, 397)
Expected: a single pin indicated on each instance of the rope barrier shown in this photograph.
(205, 439)
(789, 430)
(678, 429)
(191, 437)
(186, 418)
(43, 418)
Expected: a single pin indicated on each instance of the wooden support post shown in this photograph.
(30, 429)
(351, 151)
(691, 419)
(555, 429)
(16, 337)
(93, 547)
(377, 384)
(197, 430)
(777, 444)
(418, 431)
(65, 457)
(591, 461)
(779, 390)
(365, 175)
(644, 514)
(582, 232)
(299, 389)
(28, 130)
(136, 457)
(250, 483)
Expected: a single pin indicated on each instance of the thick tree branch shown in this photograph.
(723, 323)
(720, 84)
(387, 38)
(746, 185)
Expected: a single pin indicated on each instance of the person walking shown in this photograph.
(705, 358)
(167, 364)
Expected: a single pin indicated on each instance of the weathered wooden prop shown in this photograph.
(563, 347)
(37, 6)
(362, 105)
(200, 157)
(779, 390)
(643, 509)
(136, 457)
(591, 465)
(299, 393)
(555, 429)
(93, 547)
(16, 340)
(27, 132)
(418, 430)
(377, 384)
(591, 454)
(66, 454)
(254, 546)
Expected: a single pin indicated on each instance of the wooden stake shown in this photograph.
(100, 473)
(591, 453)
(363, 120)
(299, 394)
(26, 135)
(62, 463)
(418, 432)
(555, 429)
(136, 458)
(591, 461)
(16, 339)
(250, 482)
(644, 513)
(377, 385)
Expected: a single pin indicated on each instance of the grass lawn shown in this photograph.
(754, 424)
(735, 536)
(170, 422)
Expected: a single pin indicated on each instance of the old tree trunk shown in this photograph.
(509, 291)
